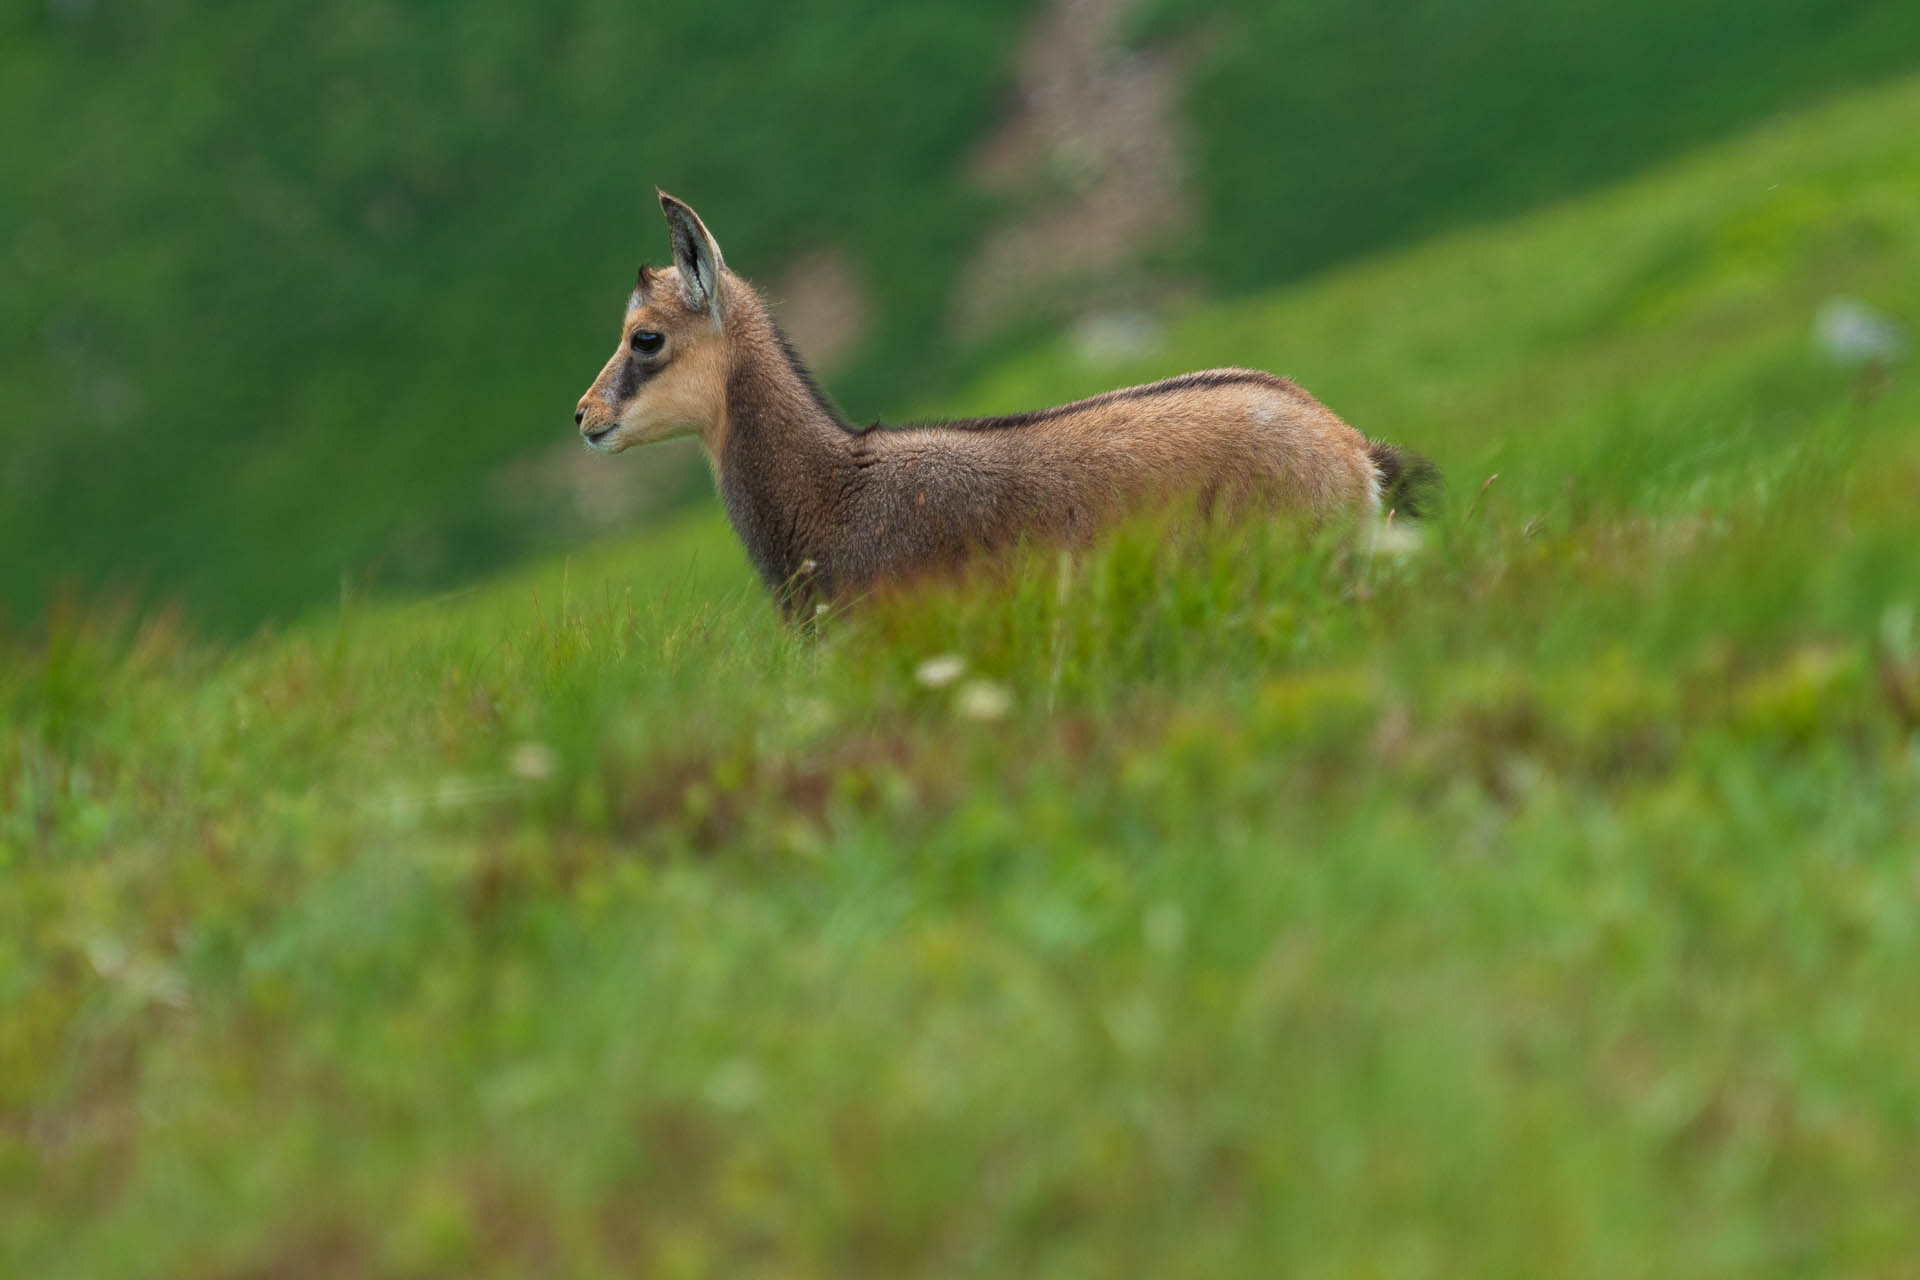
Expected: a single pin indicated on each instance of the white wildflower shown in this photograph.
(941, 671)
(983, 700)
(1848, 331)
(1395, 538)
(533, 761)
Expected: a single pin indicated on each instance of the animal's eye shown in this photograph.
(646, 342)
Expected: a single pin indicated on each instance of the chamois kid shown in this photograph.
(827, 510)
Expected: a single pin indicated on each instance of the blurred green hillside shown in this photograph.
(1329, 129)
(293, 282)
(291, 292)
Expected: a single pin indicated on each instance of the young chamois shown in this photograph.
(827, 510)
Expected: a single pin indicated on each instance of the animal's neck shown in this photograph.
(784, 458)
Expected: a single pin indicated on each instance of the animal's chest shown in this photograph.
(790, 522)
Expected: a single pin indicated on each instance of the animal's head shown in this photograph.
(668, 375)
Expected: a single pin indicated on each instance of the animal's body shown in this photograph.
(827, 510)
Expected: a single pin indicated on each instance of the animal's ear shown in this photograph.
(695, 253)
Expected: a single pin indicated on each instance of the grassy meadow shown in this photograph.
(1541, 901)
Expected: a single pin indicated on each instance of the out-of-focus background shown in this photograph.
(298, 295)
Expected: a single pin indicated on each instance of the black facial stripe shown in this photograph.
(634, 374)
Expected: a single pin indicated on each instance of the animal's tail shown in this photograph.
(1409, 483)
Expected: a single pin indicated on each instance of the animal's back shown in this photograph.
(1234, 437)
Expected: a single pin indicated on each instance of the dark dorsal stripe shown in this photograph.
(1168, 386)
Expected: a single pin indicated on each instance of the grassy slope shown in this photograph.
(287, 290)
(1326, 130)
(1543, 904)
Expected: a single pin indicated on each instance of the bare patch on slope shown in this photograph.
(1092, 139)
(823, 306)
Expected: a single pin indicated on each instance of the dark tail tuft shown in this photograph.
(1409, 483)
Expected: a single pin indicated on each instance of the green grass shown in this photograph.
(1540, 903)
(1327, 130)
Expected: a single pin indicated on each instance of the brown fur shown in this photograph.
(826, 510)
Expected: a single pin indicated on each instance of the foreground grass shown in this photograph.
(1543, 902)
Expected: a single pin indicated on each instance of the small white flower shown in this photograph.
(939, 672)
(1395, 538)
(1849, 332)
(983, 700)
(533, 761)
